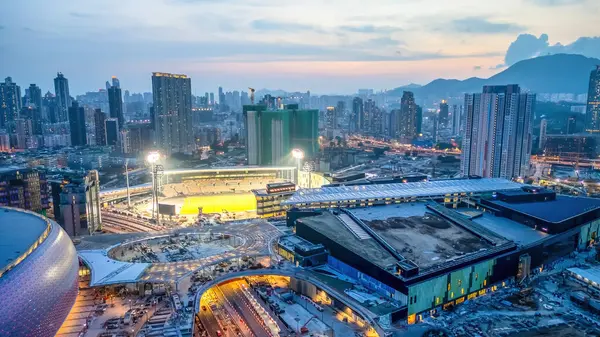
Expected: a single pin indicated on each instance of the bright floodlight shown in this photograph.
(153, 157)
(297, 153)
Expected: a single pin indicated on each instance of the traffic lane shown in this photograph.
(210, 322)
(233, 313)
(242, 305)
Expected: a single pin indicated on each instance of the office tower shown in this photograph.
(125, 142)
(76, 203)
(572, 124)
(498, 132)
(443, 117)
(271, 134)
(77, 125)
(592, 115)
(4, 141)
(108, 85)
(356, 119)
(111, 125)
(406, 119)
(63, 98)
(212, 98)
(115, 82)
(542, 137)
(10, 102)
(24, 188)
(100, 127)
(434, 131)
(115, 104)
(173, 112)
(206, 99)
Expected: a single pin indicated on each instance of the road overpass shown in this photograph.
(300, 274)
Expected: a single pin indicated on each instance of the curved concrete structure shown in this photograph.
(39, 287)
(299, 274)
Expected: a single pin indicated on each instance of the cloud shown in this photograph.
(277, 25)
(382, 42)
(81, 15)
(477, 68)
(527, 46)
(551, 3)
(478, 25)
(408, 55)
(370, 29)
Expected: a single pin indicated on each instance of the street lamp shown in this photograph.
(298, 154)
(152, 158)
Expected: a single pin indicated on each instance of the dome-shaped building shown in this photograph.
(38, 274)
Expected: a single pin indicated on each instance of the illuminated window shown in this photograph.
(462, 291)
(459, 283)
(449, 286)
(484, 283)
(452, 294)
(476, 276)
(437, 300)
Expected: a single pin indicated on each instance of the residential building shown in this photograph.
(63, 98)
(115, 103)
(24, 188)
(406, 119)
(172, 113)
(358, 114)
(100, 127)
(76, 202)
(271, 134)
(543, 130)
(444, 112)
(592, 114)
(10, 102)
(111, 125)
(77, 125)
(34, 102)
(498, 132)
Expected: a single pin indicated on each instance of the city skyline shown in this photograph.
(325, 48)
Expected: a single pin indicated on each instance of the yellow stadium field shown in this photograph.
(231, 202)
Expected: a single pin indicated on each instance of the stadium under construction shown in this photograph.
(430, 246)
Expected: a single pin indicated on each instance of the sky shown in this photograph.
(325, 46)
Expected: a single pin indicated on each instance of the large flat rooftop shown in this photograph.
(334, 228)
(511, 230)
(401, 190)
(555, 211)
(420, 235)
(18, 232)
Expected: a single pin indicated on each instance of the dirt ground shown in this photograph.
(428, 239)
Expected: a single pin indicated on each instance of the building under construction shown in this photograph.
(430, 256)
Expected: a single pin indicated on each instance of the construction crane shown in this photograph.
(251, 95)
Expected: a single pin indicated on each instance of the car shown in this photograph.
(219, 333)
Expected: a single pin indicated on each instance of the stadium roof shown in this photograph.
(229, 169)
(400, 190)
(559, 210)
(19, 230)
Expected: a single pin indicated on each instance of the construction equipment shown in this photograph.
(304, 329)
(251, 95)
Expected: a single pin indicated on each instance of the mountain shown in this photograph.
(559, 73)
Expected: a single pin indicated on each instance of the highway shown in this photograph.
(242, 305)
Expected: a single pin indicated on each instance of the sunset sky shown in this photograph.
(326, 46)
